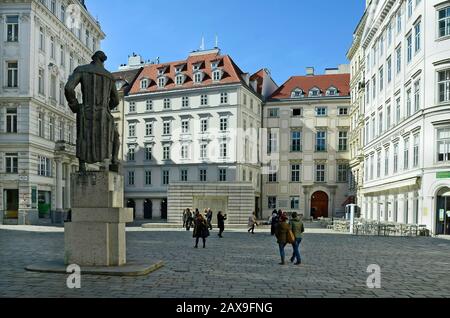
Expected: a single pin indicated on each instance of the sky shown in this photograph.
(284, 36)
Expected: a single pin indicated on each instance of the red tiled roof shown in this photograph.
(323, 82)
(232, 73)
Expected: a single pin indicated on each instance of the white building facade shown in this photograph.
(41, 44)
(191, 139)
(407, 118)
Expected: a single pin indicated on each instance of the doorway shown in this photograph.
(148, 209)
(164, 209)
(12, 204)
(132, 205)
(319, 205)
(443, 212)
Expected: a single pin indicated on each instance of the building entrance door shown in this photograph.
(319, 205)
(11, 203)
(443, 212)
(148, 209)
(164, 209)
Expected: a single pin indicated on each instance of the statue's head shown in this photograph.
(99, 56)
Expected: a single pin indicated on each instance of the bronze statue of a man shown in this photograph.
(97, 138)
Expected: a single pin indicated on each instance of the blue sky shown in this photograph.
(284, 36)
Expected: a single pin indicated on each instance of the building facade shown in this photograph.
(406, 119)
(306, 156)
(192, 138)
(42, 42)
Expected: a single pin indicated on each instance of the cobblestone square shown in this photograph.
(239, 265)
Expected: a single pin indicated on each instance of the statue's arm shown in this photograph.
(69, 91)
(114, 98)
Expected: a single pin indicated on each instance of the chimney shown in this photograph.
(310, 71)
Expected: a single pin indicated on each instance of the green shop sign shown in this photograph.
(443, 175)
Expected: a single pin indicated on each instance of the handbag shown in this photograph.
(290, 237)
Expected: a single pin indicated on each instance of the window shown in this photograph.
(399, 59)
(203, 151)
(131, 153)
(13, 74)
(51, 129)
(204, 100)
(388, 117)
(342, 173)
(223, 150)
(144, 83)
(381, 79)
(41, 81)
(273, 175)
(53, 87)
(320, 173)
(271, 202)
(149, 105)
(222, 175)
(321, 111)
(374, 87)
(380, 122)
(386, 162)
(443, 144)
(410, 8)
(297, 112)
(148, 178)
(185, 101)
(389, 69)
(399, 21)
(166, 153)
(88, 38)
(131, 130)
(315, 92)
(297, 93)
(149, 129)
(417, 42)
(379, 164)
(41, 125)
(52, 47)
(12, 28)
(179, 79)
(343, 141)
(167, 103)
(204, 125)
(202, 175)
(12, 163)
(61, 131)
(296, 141)
(332, 91)
(272, 142)
(408, 103)
(223, 124)
(198, 78)
(216, 76)
(373, 127)
(398, 110)
(62, 56)
(161, 82)
(416, 151)
(444, 22)
(409, 48)
(444, 85)
(41, 39)
(71, 63)
(395, 158)
(44, 167)
(274, 112)
(295, 203)
(131, 178)
(184, 175)
(53, 6)
(148, 153)
(406, 155)
(295, 172)
(11, 121)
(166, 128)
(416, 95)
(367, 135)
(63, 14)
(371, 166)
(166, 176)
(343, 111)
(184, 152)
(224, 98)
(321, 141)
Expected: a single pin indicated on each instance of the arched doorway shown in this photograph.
(442, 217)
(148, 209)
(164, 209)
(319, 205)
(132, 205)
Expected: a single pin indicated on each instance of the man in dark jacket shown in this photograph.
(221, 223)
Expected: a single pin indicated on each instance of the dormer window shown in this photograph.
(144, 83)
(179, 79)
(217, 75)
(198, 77)
(297, 93)
(214, 65)
(332, 91)
(196, 67)
(161, 82)
(314, 92)
(162, 70)
(179, 68)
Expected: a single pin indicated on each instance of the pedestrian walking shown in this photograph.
(281, 233)
(189, 219)
(273, 222)
(184, 218)
(209, 216)
(297, 228)
(221, 222)
(252, 223)
(200, 230)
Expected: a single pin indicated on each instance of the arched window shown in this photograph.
(314, 92)
(332, 91)
(296, 93)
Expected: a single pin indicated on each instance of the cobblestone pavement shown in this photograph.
(239, 265)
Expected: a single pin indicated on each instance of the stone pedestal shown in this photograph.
(96, 235)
